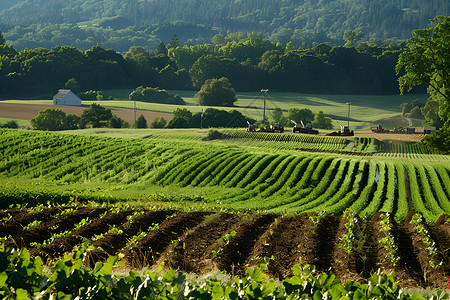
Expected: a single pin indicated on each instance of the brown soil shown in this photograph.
(29, 111)
(187, 241)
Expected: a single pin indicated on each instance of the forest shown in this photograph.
(121, 24)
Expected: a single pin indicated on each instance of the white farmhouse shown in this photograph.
(66, 97)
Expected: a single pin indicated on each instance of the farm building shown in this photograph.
(66, 97)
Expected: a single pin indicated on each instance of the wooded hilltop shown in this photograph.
(121, 24)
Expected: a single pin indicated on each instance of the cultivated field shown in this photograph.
(349, 205)
(29, 110)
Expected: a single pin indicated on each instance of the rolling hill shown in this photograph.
(194, 21)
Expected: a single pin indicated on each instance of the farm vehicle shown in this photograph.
(273, 128)
(397, 130)
(277, 127)
(250, 128)
(379, 129)
(303, 129)
(402, 130)
(345, 131)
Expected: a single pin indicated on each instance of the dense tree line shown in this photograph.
(96, 116)
(121, 24)
(249, 63)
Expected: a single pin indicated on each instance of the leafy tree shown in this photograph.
(351, 38)
(178, 122)
(426, 60)
(51, 119)
(406, 108)
(182, 113)
(71, 122)
(320, 121)
(416, 113)
(116, 122)
(2, 39)
(218, 40)
(278, 117)
(97, 53)
(431, 113)
(159, 122)
(141, 122)
(174, 42)
(96, 115)
(10, 124)
(91, 95)
(300, 114)
(155, 95)
(161, 49)
(72, 84)
(216, 92)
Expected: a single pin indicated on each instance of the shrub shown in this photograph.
(214, 135)
(159, 122)
(91, 95)
(141, 122)
(155, 95)
(10, 124)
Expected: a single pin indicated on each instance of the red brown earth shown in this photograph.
(29, 111)
(187, 241)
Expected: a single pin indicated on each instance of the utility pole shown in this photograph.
(201, 120)
(264, 112)
(135, 110)
(348, 115)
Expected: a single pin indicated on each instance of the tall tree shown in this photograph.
(96, 115)
(216, 92)
(2, 39)
(174, 42)
(162, 49)
(426, 60)
(51, 119)
(351, 38)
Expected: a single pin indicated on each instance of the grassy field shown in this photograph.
(365, 111)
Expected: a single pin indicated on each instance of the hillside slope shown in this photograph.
(282, 19)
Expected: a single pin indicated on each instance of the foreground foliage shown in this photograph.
(23, 277)
(426, 61)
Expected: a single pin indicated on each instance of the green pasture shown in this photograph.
(365, 111)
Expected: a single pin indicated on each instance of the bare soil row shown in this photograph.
(200, 242)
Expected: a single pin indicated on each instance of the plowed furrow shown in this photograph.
(287, 240)
(44, 232)
(150, 248)
(194, 253)
(113, 243)
(236, 253)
